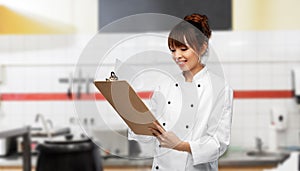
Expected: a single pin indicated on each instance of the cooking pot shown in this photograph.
(68, 155)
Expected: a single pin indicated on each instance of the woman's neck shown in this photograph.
(189, 75)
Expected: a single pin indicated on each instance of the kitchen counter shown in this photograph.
(232, 159)
(12, 132)
(124, 162)
(235, 159)
(241, 159)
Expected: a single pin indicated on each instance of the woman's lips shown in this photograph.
(181, 62)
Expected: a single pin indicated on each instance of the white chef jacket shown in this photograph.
(198, 112)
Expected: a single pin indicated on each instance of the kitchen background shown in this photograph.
(41, 41)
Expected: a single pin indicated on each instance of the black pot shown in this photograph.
(69, 155)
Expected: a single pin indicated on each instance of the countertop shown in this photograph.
(240, 158)
(231, 158)
(12, 132)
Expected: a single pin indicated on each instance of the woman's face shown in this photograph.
(186, 58)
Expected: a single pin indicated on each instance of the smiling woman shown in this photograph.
(188, 44)
(195, 108)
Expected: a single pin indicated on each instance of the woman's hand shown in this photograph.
(168, 139)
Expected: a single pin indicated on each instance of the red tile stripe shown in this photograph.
(57, 96)
(238, 94)
(258, 94)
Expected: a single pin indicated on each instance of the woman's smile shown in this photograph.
(181, 61)
(186, 58)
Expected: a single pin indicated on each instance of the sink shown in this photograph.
(265, 154)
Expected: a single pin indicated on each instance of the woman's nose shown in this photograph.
(177, 59)
(177, 54)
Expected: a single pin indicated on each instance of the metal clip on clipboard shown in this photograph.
(112, 77)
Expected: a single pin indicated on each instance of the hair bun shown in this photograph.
(199, 21)
(198, 18)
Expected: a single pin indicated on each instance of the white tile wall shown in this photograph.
(251, 61)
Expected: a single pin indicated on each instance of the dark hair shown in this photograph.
(194, 31)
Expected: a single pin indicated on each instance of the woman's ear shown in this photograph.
(203, 49)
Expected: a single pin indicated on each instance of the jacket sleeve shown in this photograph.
(215, 141)
(139, 138)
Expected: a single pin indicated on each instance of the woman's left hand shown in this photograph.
(167, 139)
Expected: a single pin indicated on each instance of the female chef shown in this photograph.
(194, 109)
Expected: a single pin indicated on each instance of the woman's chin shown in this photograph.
(184, 69)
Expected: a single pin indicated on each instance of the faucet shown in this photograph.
(259, 144)
(50, 123)
(37, 117)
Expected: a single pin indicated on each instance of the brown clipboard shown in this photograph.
(128, 105)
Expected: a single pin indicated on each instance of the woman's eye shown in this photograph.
(172, 50)
(183, 49)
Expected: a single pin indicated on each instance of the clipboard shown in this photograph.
(127, 104)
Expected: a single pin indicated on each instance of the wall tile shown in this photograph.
(249, 138)
(251, 60)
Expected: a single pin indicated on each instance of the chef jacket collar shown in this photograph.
(198, 76)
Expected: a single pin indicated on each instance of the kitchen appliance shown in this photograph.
(8, 146)
(24, 132)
